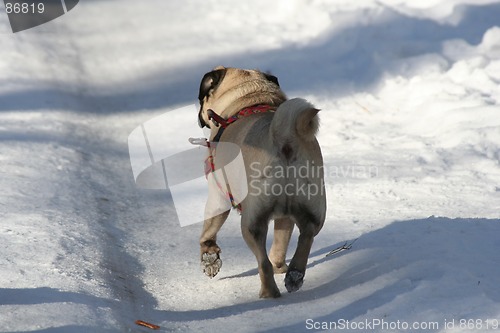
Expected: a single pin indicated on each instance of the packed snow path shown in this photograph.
(410, 135)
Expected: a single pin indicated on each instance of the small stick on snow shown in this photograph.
(341, 248)
(148, 325)
(362, 107)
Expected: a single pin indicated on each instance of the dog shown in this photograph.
(275, 141)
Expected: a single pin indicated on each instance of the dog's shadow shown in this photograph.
(322, 253)
(404, 260)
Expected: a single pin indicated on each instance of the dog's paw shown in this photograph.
(210, 264)
(293, 280)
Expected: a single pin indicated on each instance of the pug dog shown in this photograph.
(276, 142)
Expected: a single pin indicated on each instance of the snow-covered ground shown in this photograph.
(410, 132)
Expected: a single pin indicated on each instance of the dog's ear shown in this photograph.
(271, 78)
(210, 81)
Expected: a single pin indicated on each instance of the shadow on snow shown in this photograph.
(349, 60)
(412, 253)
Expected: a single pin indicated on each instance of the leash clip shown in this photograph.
(198, 141)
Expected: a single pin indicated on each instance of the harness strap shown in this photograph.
(223, 123)
(210, 169)
(211, 145)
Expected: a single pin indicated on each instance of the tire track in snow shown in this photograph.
(105, 199)
(121, 269)
(102, 173)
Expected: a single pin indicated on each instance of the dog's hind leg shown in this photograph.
(255, 234)
(210, 258)
(283, 228)
(309, 227)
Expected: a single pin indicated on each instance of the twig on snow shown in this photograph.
(146, 324)
(341, 248)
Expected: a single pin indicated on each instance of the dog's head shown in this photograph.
(229, 90)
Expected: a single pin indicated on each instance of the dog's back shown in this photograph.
(284, 171)
(283, 160)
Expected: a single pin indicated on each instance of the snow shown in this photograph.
(409, 97)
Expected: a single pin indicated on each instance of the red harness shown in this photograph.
(209, 161)
(243, 113)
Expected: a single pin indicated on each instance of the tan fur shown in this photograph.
(282, 139)
(297, 120)
(240, 89)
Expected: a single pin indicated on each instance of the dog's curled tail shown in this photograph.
(294, 119)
